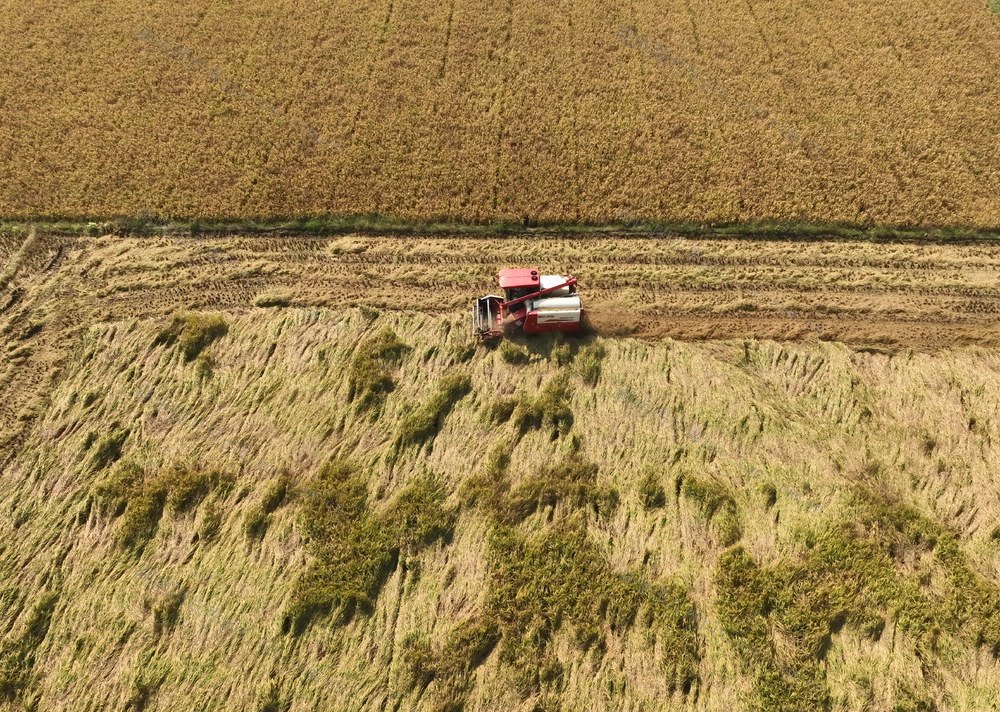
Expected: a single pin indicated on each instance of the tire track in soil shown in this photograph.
(575, 101)
(13, 299)
(377, 52)
(447, 45)
(55, 261)
(760, 32)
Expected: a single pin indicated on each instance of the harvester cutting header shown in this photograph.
(532, 302)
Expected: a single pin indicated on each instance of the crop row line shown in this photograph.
(697, 255)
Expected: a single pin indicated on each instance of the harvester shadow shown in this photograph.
(548, 346)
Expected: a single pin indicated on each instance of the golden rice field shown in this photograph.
(483, 111)
(324, 496)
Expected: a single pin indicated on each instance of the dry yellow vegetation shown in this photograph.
(214, 505)
(484, 111)
(509, 556)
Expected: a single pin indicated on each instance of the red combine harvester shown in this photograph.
(535, 303)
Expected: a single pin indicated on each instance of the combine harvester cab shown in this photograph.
(534, 303)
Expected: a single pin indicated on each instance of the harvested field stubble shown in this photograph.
(877, 295)
(504, 111)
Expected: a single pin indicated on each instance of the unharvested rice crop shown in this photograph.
(486, 111)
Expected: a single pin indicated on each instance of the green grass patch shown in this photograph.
(853, 574)
(112, 493)
(468, 645)
(353, 549)
(187, 487)
(746, 601)
(488, 489)
(142, 514)
(211, 521)
(499, 411)
(109, 448)
(255, 524)
(192, 332)
(717, 505)
(548, 411)
(588, 363)
(270, 699)
(968, 606)
(466, 648)
(419, 661)
(513, 354)
(17, 654)
(651, 491)
(537, 585)
(561, 352)
(204, 366)
(572, 480)
(464, 352)
(369, 314)
(368, 379)
(167, 612)
(419, 516)
(423, 424)
(770, 493)
(995, 535)
(144, 685)
(558, 577)
(258, 518)
(138, 499)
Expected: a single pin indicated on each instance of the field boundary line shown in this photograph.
(325, 226)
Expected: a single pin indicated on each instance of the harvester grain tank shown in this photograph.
(532, 302)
